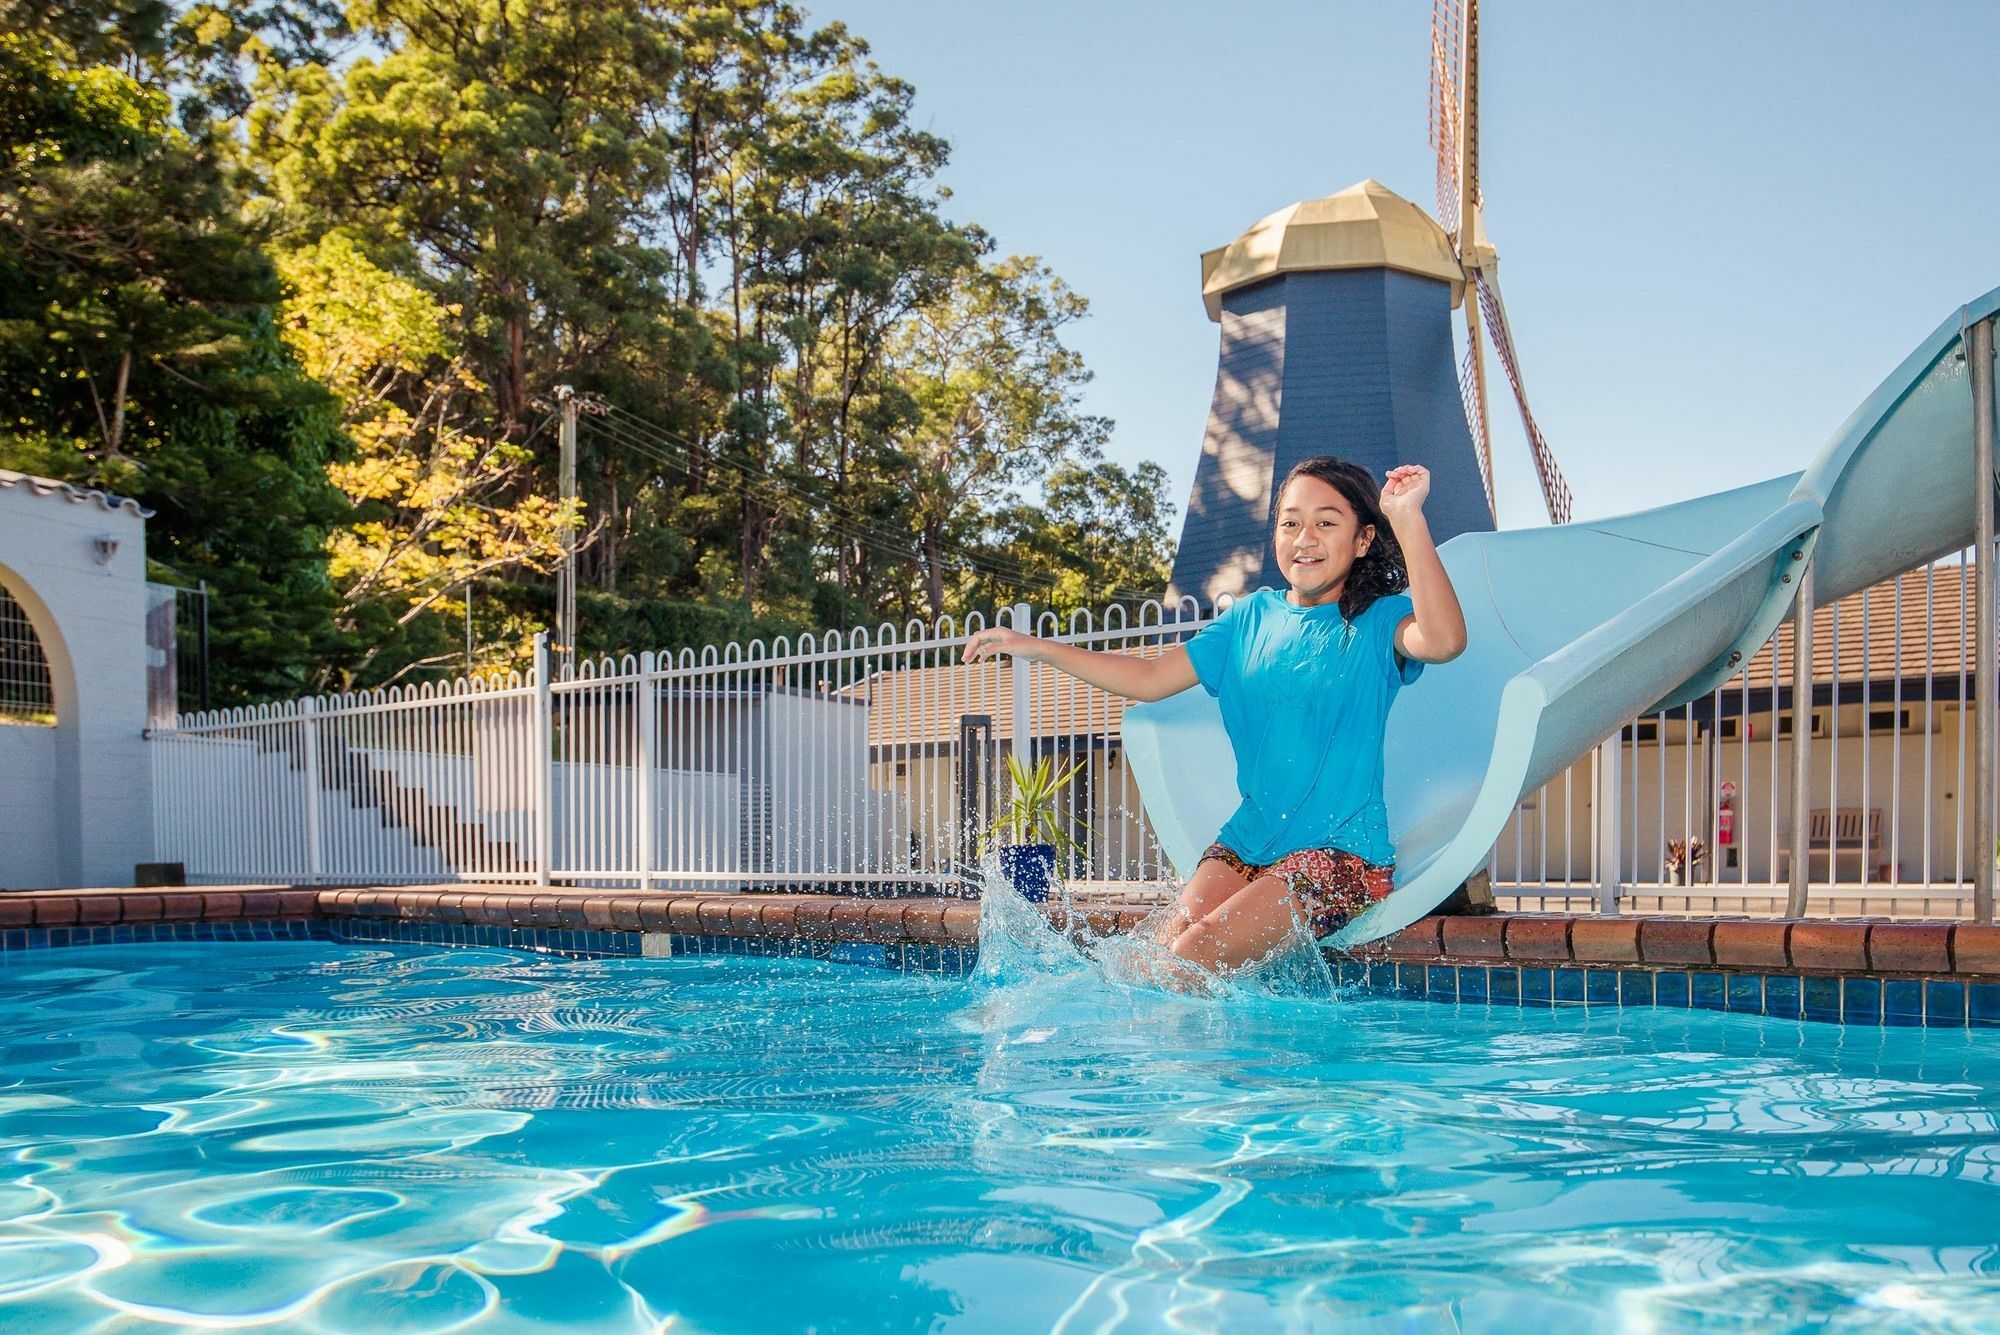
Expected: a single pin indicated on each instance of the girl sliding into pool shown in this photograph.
(1305, 679)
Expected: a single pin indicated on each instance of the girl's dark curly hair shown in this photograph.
(1380, 571)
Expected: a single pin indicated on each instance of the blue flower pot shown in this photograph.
(1030, 869)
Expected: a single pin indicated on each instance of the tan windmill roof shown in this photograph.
(1366, 226)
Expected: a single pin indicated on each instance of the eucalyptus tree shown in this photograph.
(998, 405)
(138, 342)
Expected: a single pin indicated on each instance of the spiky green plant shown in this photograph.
(1029, 815)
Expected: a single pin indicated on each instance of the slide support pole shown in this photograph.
(1802, 714)
(1608, 762)
(1986, 721)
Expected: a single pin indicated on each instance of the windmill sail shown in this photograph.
(1454, 112)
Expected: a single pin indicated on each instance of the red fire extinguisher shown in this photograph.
(1725, 817)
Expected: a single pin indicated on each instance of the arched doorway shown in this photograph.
(27, 689)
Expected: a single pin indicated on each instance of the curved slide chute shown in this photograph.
(1575, 630)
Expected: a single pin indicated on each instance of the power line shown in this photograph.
(806, 506)
(802, 507)
(868, 537)
(821, 511)
(756, 472)
(996, 567)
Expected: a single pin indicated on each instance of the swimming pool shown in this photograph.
(312, 1136)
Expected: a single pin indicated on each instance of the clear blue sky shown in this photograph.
(1720, 224)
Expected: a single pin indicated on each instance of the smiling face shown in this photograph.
(1318, 540)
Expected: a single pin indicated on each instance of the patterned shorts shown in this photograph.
(1332, 886)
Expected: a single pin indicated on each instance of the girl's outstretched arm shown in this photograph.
(1121, 674)
(1435, 632)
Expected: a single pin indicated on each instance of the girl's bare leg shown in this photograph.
(1212, 885)
(1246, 926)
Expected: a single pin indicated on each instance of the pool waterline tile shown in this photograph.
(1537, 987)
(1671, 988)
(1568, 985)
(1944, 1004)
(1635, 987)
(1860, 1001)
(1902, 1002)
(1983, 1003)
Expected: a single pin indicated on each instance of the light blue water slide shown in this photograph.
(1575, 630)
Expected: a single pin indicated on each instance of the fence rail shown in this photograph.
(871, 761)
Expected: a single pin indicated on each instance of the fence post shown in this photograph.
(1986, 722)
(544, 751)
(647, 754)
(309, 740)
(1802, 717)
(1608, 762)
(1024, 714)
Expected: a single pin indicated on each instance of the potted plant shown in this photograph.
(1028, 828)
(1684, 858)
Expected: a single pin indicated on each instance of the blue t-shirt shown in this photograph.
(1305, 698)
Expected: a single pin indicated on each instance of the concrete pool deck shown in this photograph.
(1937, 974)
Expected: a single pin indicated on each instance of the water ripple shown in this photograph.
(302, 1136)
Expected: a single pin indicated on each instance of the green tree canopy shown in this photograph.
(138, 335)
(304, 280)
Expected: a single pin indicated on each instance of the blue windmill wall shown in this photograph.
(1353, 362)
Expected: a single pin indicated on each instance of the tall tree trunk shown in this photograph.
(692, 258)
(117, 440)
(747, 545)
(934, 570)
(613, 521)
(840, 442)
(514, 375)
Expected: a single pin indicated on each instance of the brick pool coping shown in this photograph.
(1900, 949)
(1859, 971)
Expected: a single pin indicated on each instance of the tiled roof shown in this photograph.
(47, 486)
(920, 706)
(1936, 606)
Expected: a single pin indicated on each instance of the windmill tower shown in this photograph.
(1336, 318)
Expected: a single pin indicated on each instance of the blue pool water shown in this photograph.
(307, 1136)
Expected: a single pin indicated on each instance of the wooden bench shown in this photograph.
(1843, 834)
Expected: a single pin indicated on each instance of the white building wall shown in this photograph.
(90, 614)
(28, 852)
(1916, 779)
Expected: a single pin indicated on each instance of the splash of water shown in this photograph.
(1024, 949)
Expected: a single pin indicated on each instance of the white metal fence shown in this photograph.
(873, 759)
(1891, 787)
(863, 759)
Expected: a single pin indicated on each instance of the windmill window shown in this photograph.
(26, 692)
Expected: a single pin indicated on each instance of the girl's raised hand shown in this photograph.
(995, 640)
(1404, 491)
